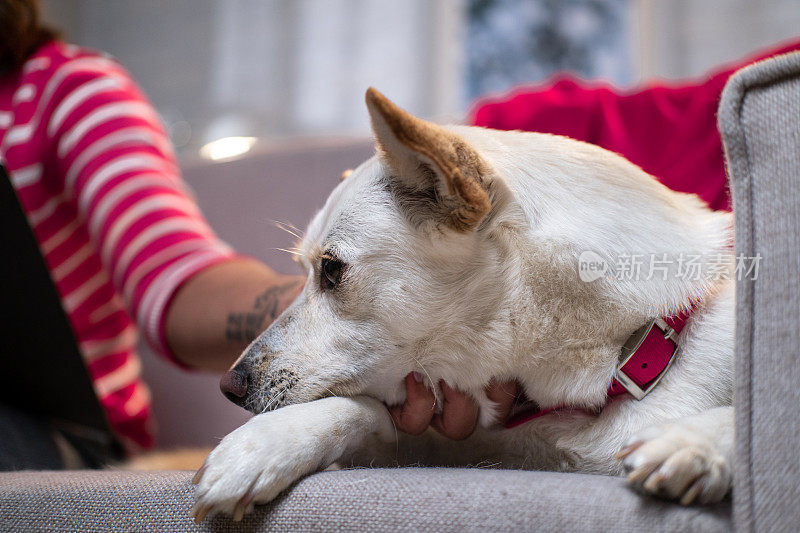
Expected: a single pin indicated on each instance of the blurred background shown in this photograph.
(277, 69)
(263, 99)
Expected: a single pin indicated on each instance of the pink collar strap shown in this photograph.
(645, 358)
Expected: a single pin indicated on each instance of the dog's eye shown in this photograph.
(331, 272)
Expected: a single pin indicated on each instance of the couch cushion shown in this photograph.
(759, 118)
(408, 499)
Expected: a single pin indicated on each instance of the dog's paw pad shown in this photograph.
(674, 462)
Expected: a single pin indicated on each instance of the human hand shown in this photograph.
(459, 414)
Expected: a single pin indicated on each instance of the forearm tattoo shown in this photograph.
(244, 327)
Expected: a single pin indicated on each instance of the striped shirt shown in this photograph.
(95, 174)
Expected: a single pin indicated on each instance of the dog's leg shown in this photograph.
(273, 450)
(687, 459)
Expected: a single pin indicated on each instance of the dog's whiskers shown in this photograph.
(250, 405)
(272, 401)
(294, 251)
(434, 390)
(396, 439)
(289, 228)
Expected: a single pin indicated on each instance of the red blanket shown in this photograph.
(669, 129)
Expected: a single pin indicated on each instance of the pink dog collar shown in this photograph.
(645, 358)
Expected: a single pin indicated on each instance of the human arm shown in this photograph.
(178, 281)
(220, 310)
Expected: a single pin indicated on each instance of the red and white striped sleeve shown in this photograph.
(119, 170)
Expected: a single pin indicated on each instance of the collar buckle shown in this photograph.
(630, 348)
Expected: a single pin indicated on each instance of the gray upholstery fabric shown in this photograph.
(759, 118)
(411, 499)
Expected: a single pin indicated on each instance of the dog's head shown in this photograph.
(399, 270)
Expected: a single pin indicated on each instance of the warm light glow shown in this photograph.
(227, 148)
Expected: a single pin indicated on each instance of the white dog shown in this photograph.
(457, 253)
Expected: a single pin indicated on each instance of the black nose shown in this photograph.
(233, 385)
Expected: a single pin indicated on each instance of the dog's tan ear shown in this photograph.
(431, 162)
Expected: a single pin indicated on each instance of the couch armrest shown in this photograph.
(382, 500)
(759, 117)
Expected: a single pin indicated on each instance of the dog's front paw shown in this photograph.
(676, 462)
(252, 465)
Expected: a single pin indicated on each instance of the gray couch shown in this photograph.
(760, 121)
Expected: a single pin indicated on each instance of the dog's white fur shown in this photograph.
(502, 299)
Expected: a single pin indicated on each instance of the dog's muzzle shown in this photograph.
(233, 385)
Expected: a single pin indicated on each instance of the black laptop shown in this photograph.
(42, 371)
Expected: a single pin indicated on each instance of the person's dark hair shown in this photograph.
(21, 32)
